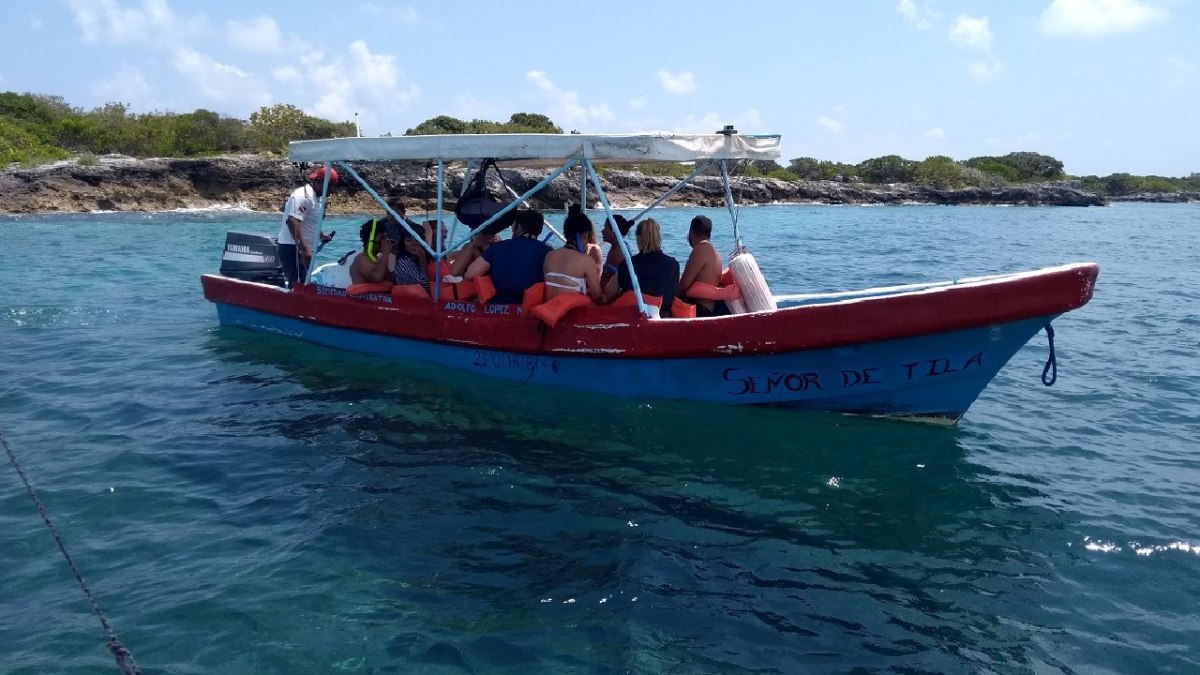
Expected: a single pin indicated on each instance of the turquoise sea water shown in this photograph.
(243, 503)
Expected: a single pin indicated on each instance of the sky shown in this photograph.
(1104, 86)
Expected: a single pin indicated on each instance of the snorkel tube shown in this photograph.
(371, 240)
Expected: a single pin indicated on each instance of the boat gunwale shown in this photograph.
(612, 332)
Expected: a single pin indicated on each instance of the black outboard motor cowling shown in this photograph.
(252, 257)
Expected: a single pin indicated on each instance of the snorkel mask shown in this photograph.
(371, 240)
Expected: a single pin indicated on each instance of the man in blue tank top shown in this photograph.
(515, 264)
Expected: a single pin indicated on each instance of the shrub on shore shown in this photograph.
(37, 128)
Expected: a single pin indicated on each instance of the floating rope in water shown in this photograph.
(1050, 372)
(125, 660)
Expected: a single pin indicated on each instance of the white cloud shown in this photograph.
(921, 18)
(220, 82)
(359, 81)
(566, 110)
(287, 74)
(153, 22)
(971, 32)
(1091, 18)
(832, 124)
(259, 35)
(677, 83)
(128, 85)
(637, 103)
(986, 70)
(936, 134)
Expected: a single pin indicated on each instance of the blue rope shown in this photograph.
(1050, 372)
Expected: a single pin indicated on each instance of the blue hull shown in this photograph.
(932, 376)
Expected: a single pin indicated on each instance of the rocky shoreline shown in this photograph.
(114, 183)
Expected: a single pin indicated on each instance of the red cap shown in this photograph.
(319, 174)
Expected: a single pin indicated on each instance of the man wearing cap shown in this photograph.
(301, 226)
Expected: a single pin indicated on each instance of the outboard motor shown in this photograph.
(252, 257)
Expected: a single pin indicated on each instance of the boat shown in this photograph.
(918, 351)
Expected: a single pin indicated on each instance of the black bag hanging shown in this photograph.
(478, 203)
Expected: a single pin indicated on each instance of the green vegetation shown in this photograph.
(519, 123)
(36, 129)
(807, 168)
(1121, 184)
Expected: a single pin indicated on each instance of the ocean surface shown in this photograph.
(243, 503)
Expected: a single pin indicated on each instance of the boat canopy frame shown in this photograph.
(563, 152)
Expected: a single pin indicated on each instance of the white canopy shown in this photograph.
(532, 149)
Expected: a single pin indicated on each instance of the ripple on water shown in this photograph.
(242, 503)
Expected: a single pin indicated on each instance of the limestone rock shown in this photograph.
(116, 183)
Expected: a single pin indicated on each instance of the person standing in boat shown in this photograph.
(301, 226)
(657, 272)
(515, 264)
(704, 267)
(573, 268)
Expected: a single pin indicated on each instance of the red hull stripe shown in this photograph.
(620, 332)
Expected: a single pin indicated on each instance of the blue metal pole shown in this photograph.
(441, 179)
(676, 188)
(379, 200)
(583, 202)
(437, 234)
(737, 233)
(637, 286)
(519, 200)
(320, 222)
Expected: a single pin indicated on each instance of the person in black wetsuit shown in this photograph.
(657, 272)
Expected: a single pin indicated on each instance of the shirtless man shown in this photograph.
(703, 265)
(371, 265)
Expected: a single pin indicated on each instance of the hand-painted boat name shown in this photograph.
(341, 293)
(742, 382)
(940, 366)
(765, 384)
(483, 359)
(473, 308)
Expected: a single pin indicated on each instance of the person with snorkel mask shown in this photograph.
(371, 266)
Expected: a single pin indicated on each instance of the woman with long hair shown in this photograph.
(412, 260)
(574, 268)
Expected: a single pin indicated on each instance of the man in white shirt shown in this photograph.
(301, 226)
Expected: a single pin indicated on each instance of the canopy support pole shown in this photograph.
(379, 200)
(320, 222)
(628, 261)
(733, 214)
(548, 225)
(570, 164)
(437, 233)
(583, 202)
(676, 188)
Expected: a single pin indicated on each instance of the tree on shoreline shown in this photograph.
(37, 128)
